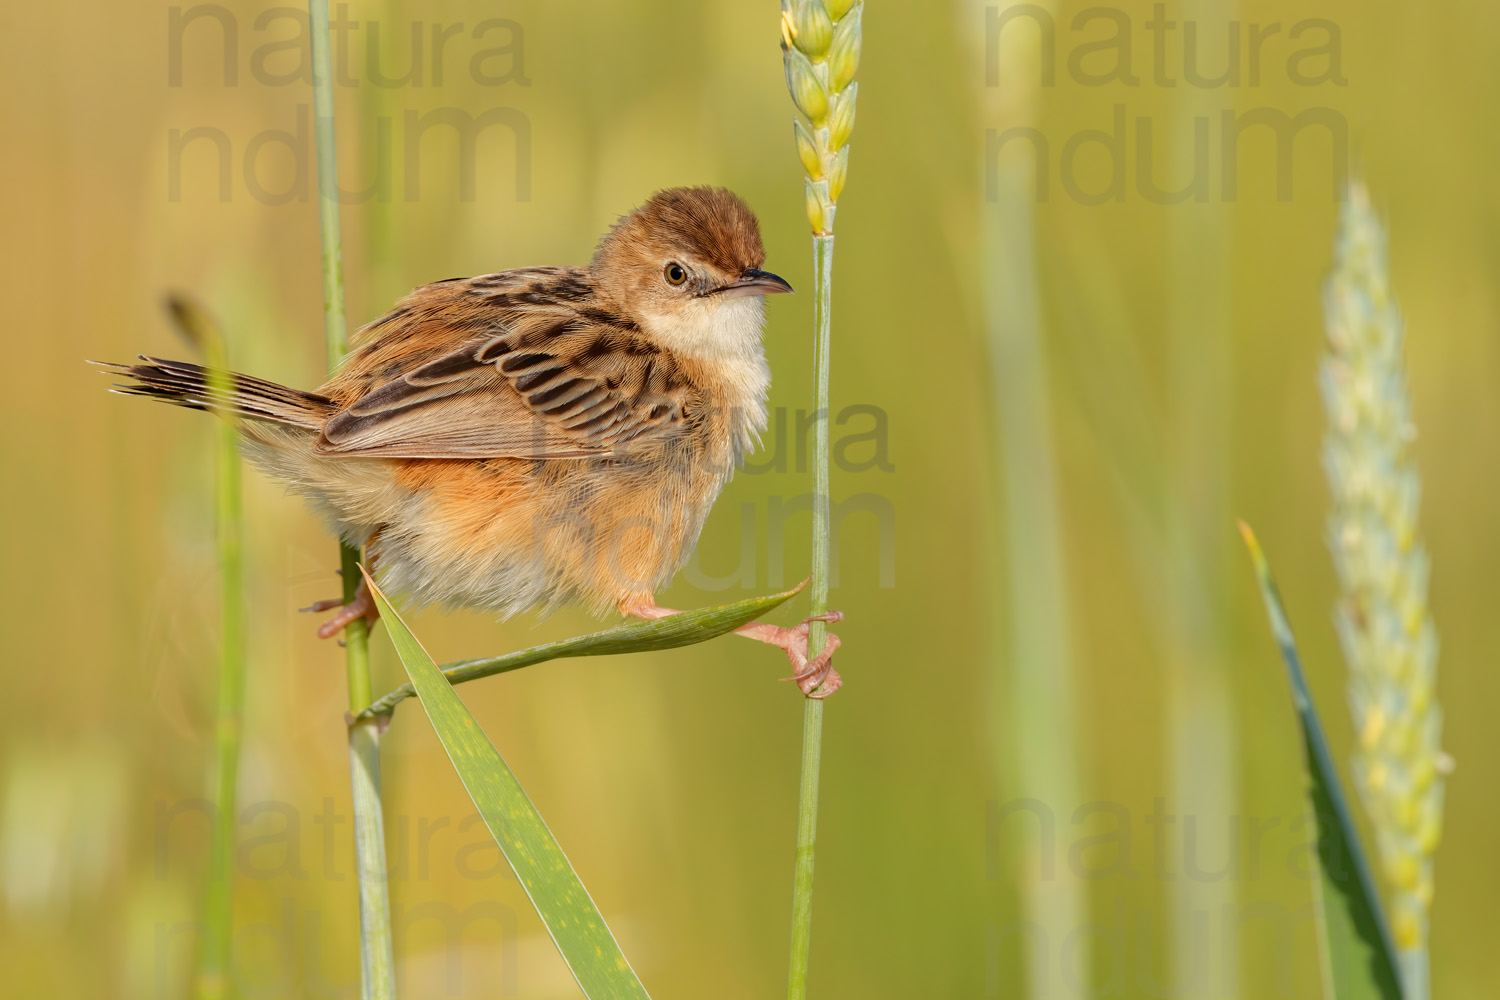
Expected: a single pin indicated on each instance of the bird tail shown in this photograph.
(184, 384)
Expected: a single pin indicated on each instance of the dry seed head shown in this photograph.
(820, 43)
(1387, 635)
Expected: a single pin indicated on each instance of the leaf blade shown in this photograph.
(685, 628)
(555, 890)
(1359, 955)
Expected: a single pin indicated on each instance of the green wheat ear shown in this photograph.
(820, 44)
(1383, 623)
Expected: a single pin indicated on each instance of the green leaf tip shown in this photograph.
(1281, 628)
(1359, 957)
(196, 325)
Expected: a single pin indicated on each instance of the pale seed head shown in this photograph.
(814, 28)
(837, 172)
(843, 55)
(841, 121)
(1384, 628)
(819, 213)
(807, 151)
(808, 92)
(820, 42)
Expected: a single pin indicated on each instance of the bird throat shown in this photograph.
(722, 337)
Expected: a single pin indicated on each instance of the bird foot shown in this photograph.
(816, 678)
(363, 606)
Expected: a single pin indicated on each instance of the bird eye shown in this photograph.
(675, 273)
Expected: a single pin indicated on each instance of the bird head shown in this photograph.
(686, 266)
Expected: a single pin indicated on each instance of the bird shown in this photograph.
(534, 437)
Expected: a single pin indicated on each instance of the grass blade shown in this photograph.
(1031, 673)
(685, 628)
(1359, 957)
(198, 327)
(576, 926)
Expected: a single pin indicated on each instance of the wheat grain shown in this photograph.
(1387, 634)
(820, 46)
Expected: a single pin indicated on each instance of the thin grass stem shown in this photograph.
(1031, 674)
(821, 42)
(218, 910)
(1202, 746)
(377, 965)
(812, 711)
(1034, 704)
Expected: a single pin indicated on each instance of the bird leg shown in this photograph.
(363, 606)
(810, 676)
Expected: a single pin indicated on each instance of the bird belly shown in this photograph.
(511, 534)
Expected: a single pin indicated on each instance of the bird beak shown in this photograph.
(754, 281)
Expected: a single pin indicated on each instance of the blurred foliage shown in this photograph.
(671, 776)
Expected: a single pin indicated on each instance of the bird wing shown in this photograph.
(524, 364)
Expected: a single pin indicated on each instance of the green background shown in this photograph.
(1176, 403)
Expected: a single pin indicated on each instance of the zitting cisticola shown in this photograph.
(536, 436)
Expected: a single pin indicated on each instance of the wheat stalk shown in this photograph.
(820, 47)
(377, 964)
(1387, 635)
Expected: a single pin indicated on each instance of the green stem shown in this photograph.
(213, 972)
(377, 965)
(1414, 972)
(1201, 744)
(1034, 706)
(812, 712)
(356, 635)
(376, 960)
(335, 330)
